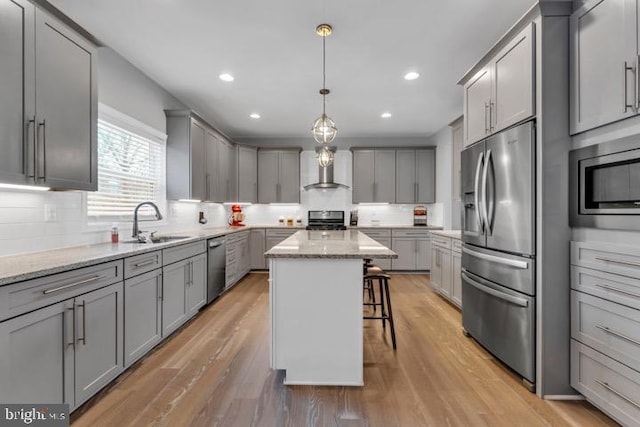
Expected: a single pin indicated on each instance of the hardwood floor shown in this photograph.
(215, 372)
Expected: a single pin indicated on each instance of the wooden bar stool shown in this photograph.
(386, 313)
(368, 284)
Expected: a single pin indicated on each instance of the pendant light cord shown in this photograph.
(324, 75)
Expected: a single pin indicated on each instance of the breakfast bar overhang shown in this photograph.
(315, 297)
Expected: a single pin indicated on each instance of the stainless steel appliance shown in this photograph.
(216, 266)
(498, 254)
(420, 215)
(605, 185)
(326, 220)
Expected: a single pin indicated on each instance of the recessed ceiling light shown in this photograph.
(385, 115)
(411, 75)
(226, 77)
(254, 115)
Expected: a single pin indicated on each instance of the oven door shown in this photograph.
(502, 321)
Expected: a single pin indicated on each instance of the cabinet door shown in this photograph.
(36, 356)
(227, 172)
(406, 184)
(477, 97)
(174, 307)
(513, 81)
(425, 176)
(363, 176)
(247, 175)
(289, 177)
(267, 176)
(66, 107)
(142, 315)
(602, 63)
(456, 171)
(99, 340)
(456, 279)
(423, 255)
(198, 161)
(211, 164)
(385, 176)
(406, 250)
(257, 248)
(436, 268)
(197, 285)
(445, 271)
(17, 97)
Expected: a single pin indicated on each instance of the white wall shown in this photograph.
(442, 140)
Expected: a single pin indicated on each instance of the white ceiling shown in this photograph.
(272, 50)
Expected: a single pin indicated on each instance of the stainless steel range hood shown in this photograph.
(325, 176)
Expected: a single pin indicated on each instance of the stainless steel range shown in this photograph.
(326, 220)
(498, 255)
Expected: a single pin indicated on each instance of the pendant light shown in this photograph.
(325, 157)
(324, 129)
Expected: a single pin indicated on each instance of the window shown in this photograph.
(131, 168)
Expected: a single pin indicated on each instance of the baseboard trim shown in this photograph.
(563, 397)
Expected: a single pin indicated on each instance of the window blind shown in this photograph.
(130, 171)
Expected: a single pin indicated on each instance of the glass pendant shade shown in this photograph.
(324, 130)
(325, 157)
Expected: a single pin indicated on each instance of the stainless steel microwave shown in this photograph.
(605, 185)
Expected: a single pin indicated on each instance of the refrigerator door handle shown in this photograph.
(485, 212)
(489, 207)
(523, 265)
(477, 190)
(501, 295)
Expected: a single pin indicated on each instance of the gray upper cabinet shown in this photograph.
(502, 92)
(415, 176)
(227, 172)
(48, 101)
(374, 175)
(186, 156)
(211, 166)
(604, 61)
(279, 176)
(17, 91)
(247, 174)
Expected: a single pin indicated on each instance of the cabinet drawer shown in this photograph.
(376, 233)
(613, 287)
(419, 234)
(609, 385)
(236, 237)
(20, 298)
(441, 241)
(456, 245)
(142, 263)
(608, 327)
(178, 253)
(618, 259)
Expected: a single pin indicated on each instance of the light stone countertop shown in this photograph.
(453, 234)
(413, 227)
(347, 244)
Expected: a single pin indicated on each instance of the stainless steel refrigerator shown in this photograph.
(498, 253)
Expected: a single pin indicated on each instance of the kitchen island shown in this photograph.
(315, 296)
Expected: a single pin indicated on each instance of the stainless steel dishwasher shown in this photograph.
(216, 265)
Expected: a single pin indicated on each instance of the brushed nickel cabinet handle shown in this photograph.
(43, 125)
(84, 323)
(159, 285)
(25, 148)
(492, 115)
(617, 261)
(486, 127)
(626, 101)
(637, 83)
(614, 289)
(72, 285)
(73, 327)
(617, 393)
(145, 263)
(618, 334)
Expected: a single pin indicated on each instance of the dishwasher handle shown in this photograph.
(216, 244)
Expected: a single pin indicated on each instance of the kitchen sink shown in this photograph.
(159, 239)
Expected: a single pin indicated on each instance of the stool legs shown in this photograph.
(385, 299)
(393, 329)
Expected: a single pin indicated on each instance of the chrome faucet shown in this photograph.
(136, 230)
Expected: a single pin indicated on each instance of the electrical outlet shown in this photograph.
(50, 212)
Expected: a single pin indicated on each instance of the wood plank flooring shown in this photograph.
(215, 372)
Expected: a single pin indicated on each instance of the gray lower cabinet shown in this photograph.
(456, 278)
(446, 253)
(174, 305)
(247, 174)
(273, 236)
(196, 290)
(142, 314)
(436, 270)
(413, 248)
(257, 248)
(237, 257)
(278, 176)
(443, 259)
(48, 101)
(415, 175)
(63, 353)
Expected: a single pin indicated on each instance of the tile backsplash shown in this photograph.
(39, 221)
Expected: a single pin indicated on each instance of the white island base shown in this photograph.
(316, 320)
